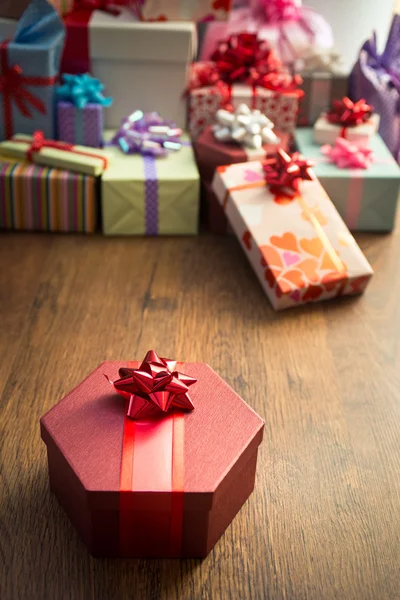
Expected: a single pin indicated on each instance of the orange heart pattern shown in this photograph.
(287, 241)
(305, 279)
(313, 246)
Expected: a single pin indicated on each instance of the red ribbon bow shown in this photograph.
(243, 58)
(39, 142)
(156, 386)
(13, 88)
(347, 113)
(284, 173)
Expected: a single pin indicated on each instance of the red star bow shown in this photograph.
(347, 113)
(284, 173)
(155, 386)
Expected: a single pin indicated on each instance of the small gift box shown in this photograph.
(376, 77)
(43, 199)
(158, 472)
(147, 194)
(351, 120)
(232, 79)
(29, 69)
(140, 64)
(294, 238)
(226, 143)
(80, 110)
(51, 153)
(190, 10)
(364, 191)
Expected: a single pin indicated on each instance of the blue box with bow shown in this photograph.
(29, 67)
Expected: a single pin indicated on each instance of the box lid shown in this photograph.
(123, 37)
(87, 427)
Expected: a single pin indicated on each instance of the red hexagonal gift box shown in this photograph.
(146, 474)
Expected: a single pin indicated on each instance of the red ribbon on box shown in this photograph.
(76, 56)
(39, 142)
(153, 449)
(13, 88)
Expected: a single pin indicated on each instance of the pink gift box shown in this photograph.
(299, 248)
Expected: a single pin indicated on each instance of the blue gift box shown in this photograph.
(29, 66)
(365, 198)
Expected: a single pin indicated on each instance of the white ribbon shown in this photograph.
(249, 128)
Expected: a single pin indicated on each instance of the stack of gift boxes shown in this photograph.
(108, 122)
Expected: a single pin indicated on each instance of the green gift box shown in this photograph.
(143, 195)
(365, 198)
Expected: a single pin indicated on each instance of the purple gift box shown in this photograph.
(376, 78)
(82, 126)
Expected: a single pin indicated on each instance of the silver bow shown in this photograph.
(247, 127)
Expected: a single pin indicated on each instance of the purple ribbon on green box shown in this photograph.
(153, 137)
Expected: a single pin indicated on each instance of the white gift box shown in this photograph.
(142, 65)
(325, 132)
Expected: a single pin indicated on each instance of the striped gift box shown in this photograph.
(39, 198)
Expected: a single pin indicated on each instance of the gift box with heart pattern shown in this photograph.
(299, 247)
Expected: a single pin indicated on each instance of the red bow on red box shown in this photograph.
(156, 384)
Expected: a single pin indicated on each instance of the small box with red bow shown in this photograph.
(152, 459)
(354, 121)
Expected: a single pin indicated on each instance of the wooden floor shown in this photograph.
(324, 520)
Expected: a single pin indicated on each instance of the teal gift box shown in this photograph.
(365, 198)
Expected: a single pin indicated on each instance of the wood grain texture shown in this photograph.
(324, 520)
